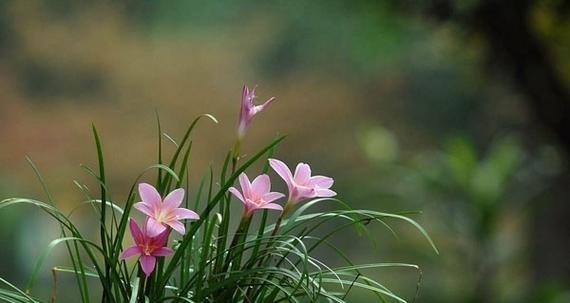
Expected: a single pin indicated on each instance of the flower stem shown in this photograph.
(141, 294)
(240, 232)
(280, 218)
(275, 230)
(288, 205)
(235, 154)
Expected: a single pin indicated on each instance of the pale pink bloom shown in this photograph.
(301, 185)
(256, 195)
(248, 109)
(147, 247)
(163, 213)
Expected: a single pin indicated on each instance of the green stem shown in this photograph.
(141, 292)
(239, 234)
(236, 245)
(262, 260)
(235, 154)
(280, 218)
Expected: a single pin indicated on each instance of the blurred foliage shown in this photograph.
(478, 204)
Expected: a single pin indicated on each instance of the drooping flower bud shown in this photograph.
(249, 110)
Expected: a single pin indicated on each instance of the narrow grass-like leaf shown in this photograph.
(47, 251)
(18, 291)
(134, 291)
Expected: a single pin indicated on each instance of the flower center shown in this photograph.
(147, 249)
(256, 200)
(163, 216)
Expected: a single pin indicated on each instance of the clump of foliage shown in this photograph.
(202, 259)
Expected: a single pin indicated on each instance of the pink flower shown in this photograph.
(248, 109)
(161, 213)
(147, 247)
(301, 185)
(256, 195)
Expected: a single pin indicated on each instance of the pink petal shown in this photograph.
(272, 206)
(161, 239)
(136, 231)
(147, 264)
(305, 191)
(149, 195)
(174, 199)
(249, 206)
(325, 193)
(245, 108)
(261, 107)
(321, 181)
(245, 185)
(251, 95)
(162, 252)
(236, 193)
(153, 227)
(177, 226)
(282, 170)
(300, 193)
(183, 213)
(260, 185)
(272, 196)
(302, 173)
(245, 98)
(129, 252)
(144, 208)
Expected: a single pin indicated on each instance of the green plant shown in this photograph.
(259, 262)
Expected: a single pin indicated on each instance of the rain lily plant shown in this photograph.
(190, 246)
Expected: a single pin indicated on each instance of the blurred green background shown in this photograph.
(458, 109)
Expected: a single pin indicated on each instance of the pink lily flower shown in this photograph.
(248, 109)
(147, 247)
(163, 213)
(256, 195)
(302, 185)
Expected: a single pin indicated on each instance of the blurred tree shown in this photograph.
(515, 47)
